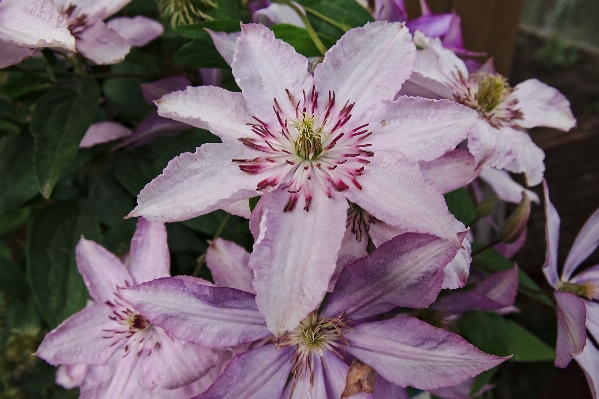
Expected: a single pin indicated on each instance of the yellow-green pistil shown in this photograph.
(308, 143)
(586, 290)
(492, 90)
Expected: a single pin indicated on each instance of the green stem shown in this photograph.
(326, 19)
(202, 258)
(321, 47)
(489, 245)
(221, 227)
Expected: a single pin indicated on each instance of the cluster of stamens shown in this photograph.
(131, 331)
(313, 337)
(315, 147)
(76, 20)
(587, 289)
(184, 12)
(489, 95)
(359, 220)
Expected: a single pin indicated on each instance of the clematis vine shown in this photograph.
(500, 141)
(402, 350)
(26, 25)
(109, 348)
(309, 144)
(576, 295)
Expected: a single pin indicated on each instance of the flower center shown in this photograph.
(587, 290)
(312, 337)
(489, 95)
(314, 148)
(75, 19)
(184, 12)
(359, 220)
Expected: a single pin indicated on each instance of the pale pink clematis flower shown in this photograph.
(576, 295)
(105, 43)
(310, 144)
(500, 140)
(108, 347)
(29, 24)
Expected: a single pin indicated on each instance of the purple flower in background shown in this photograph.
(406, 271)
(302, 142)
(575, 295)
(108, 347)
(499, 140)
(29, 24)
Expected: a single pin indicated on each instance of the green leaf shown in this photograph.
(58, 124)
(482, 379)
(300, 39)
(12, 279)
(52, 273)
(461, 206)
(230, 9)
(197, 32)
(112, 201)
(493, 260)
(235, 228)
(125, 92)
(17, 184)
(200, 53)
(345, 12)
(134, 170)
(499, 336)
(12, 220)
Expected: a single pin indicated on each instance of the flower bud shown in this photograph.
(485, 208)
(514, 226)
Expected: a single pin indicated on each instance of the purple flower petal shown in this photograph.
(505, 187)
(258, 374)
(78, 339)
(552, 239)
(70, 376)
(278, 14)
(450, 171)
(407, 351)
(155, 90)
(115, 379)
(102, 272)
(367, 65)
(137, 31)
(150, 258)
(151, 128)
(205, 315)
(102, 44)
(225, 44)
(421, 129)
(103, 132)
(585, 243)
(195, 184)
(11, 54)
(295, 256)
(228, 263)
(390, 10)
(589, 362)
(405, 271)
(384, 389)
(571, 330)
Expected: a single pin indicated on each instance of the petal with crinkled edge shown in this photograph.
(585, 243)
(78, 339)
(406, 271)
(11, 54)
(295, 256)
(150, 258)
(450, 171)
(103, 132)
(222, 112)
(505, 187)
(202, 314)
(509, 149)
(175, 363)
(102, 272)
(264, 67)
(102, 44)
(195, 184)
(225, 43)
(551, 238)
(137, 31)
(367, 65)
(571, 329)
(407, 351)
(258, 374)
(351, 249)
(228, 263)
(543, 105)
(34, 23)
(394, 191)
(420, 128)
(239, 208)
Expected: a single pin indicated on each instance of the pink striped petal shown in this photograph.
(103, 132)
(571, 330)
(102, 44)
(225, 43)
(505, 187)
(367, 65)
(585, 243)
(552, 239)
(11, 54)
(150, 258)
(450, 171)
(407, 351)
(295, 256)
(228, 263)
(589, 362)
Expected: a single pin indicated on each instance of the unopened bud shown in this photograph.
(514, 226)
(485, 208)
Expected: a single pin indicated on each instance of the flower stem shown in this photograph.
(489, 245)
(321, 47)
